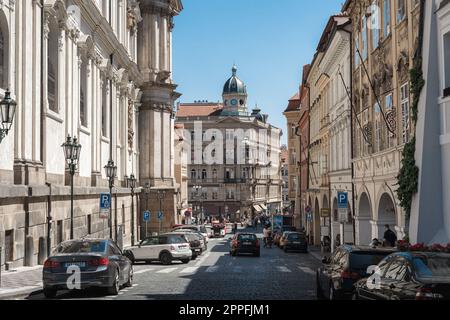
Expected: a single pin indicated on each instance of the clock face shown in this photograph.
(234, 102)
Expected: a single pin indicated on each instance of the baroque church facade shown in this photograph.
(100, 71)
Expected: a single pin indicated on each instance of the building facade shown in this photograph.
(234, 168)
(78, 68)
(430, 214)
(292, 114)
(337, 65)
(384, 42)
(285, 177)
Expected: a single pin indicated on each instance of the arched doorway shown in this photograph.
(316, 238)
(386, 214)
(363, 227)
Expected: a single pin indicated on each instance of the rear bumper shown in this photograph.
(63, 281)
(182, 255)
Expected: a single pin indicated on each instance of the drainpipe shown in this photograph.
(49, 219)
(352, 151)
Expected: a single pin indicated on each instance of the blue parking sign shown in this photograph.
(160, 215)
(105, 201)
(342, 200)
(147, 216)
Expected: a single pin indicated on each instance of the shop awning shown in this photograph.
(263, 206)
(257, 208)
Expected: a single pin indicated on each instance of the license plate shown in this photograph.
(247, 243)
(297, 242)
(78, 264)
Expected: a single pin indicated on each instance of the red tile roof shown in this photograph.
(294, 103)
(199, 109)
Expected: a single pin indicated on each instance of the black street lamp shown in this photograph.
(72, 151)
(7, 112)
(111, 171)
(131, 183)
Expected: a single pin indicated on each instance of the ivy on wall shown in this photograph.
(408, 178)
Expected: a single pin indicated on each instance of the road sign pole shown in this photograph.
(146, 229)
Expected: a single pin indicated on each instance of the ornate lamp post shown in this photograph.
(198, 188)
(7, 112)
(111, 171)
(72, 151)
(161, 196)
(131, 182)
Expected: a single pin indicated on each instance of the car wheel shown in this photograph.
(50, 293)
(319, 292)
(185, 261)
(115, 287)
(165, 258)
(129, 283)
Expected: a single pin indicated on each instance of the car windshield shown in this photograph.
(429, 268)
(177, 239)
(82, 247)
(247, 237)
(362, 260)
(295, 236)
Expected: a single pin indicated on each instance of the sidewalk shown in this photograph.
(316, 252)
(20, 282)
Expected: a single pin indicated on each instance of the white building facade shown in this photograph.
(430, 214)
(75, 69)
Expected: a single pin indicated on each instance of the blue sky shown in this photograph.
(269, 40)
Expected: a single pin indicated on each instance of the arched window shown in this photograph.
(193, 174)
(52, 66)
(204, 174)
(214, 174)
(4, 52)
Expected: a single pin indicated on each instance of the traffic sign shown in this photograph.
(105, 205)
(160, 215)
(325, 212)
(147, 216)
(342, 200)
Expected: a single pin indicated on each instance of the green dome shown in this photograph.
(234, 84)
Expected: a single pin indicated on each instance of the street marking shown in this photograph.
(307, 270)
(283, 269)
(143, 271)
(212, 269)
(168, 270)
(189, 270)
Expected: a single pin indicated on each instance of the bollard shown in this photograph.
(29, 251)
(42, 254)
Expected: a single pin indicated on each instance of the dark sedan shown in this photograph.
(408, 276)
(348, 264)
(245, 243)
(295, 241)
(79, 264)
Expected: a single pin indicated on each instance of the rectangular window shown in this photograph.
(375, 23)
(83, 100)
(378, 124)
(404, 96)
(387, 18)
(105, 109)
(364, 38)
(447, 65)
(388, 105)
(401, 10)
(89, 224)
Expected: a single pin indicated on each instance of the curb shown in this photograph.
(21, 293)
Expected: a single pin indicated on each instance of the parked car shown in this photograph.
(348, 264)
(200, 237)
(200, 228)
(295, 241)
(165, 248)
(245, 243)
(283, 238)
(209, 231)
(100, 262)
(408, 276)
